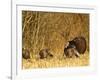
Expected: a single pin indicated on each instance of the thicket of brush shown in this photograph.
(52, 30)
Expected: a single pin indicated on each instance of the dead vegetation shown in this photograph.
(52, 30)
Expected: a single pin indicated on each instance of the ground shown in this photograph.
(83, 60)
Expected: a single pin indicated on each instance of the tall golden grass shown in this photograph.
(52, 30)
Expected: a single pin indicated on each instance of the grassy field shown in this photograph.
(52, 30)
(83, 60)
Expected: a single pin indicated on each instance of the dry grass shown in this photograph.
(52, 30)
(83, 60)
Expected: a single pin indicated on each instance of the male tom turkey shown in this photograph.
(79, 43)
(70, 51)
